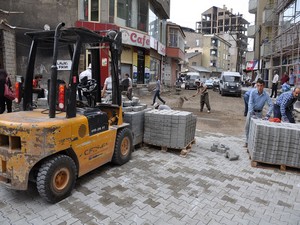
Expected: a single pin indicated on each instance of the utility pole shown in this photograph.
(259, 45)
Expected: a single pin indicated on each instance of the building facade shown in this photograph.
(277, 42)
(230, 27)
(175, 53)
(142, 23)
(215, 51)
(215, 54)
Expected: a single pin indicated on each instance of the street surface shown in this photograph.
(158, 187)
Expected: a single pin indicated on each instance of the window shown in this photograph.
(176, 39)
(124, 12)
(111, 11)
(83, 10)
(173, 38)
(142, 15)
(132, 13)
(88, 10)
(287, 17)
(297, 13)
(154, 23)
(94, 10)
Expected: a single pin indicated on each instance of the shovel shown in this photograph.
(182, 99)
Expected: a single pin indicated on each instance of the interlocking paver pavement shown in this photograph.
(158, 187)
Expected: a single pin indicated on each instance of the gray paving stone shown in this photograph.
(240, 220)
(189, 191)
(20, 222)
(148, 216)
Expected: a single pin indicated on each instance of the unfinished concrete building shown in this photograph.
(231, 27)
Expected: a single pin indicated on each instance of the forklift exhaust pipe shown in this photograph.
(53, 81)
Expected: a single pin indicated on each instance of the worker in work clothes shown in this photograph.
(283, 108)
(202, 89)
(257, 100)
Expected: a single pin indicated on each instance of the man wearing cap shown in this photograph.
(202, 89)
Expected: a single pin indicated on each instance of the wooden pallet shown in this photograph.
(183, 152)
(266, 165)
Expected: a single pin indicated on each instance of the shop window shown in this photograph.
(94, 10)
(142, 16)
(88, 10)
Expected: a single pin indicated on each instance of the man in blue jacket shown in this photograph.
(257, 100)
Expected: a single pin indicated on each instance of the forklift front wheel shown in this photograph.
(123, 147)
(56, 178)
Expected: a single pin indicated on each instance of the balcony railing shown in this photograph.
(252, 6)
(249, 56)
(252, 30)
(265, 49)
(268, 17)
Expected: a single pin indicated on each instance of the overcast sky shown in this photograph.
(186, 12)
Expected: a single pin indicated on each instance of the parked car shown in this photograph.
(191, 77)
(209, 83)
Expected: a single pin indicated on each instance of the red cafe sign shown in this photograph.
(134, 38)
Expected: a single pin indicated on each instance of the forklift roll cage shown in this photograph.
(75, 38)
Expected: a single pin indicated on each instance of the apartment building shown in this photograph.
(143, 25)
(231, 28)
(174, 52)
(214, 51)
(276, 33)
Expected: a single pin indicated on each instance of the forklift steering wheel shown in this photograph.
(88, 85)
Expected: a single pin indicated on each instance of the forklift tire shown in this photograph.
(123, 147)
(56, 178)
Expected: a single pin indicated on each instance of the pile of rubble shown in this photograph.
(228, 153)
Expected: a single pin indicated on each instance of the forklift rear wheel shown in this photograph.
(56, 178)
(123, 147)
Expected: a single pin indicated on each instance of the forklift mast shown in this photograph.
(75, 38)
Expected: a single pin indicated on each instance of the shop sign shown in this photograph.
(161, 49)
(153, 43)
(252, 65)
(134, 38)
(64, 64)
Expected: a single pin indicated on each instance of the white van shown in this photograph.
(230, 83)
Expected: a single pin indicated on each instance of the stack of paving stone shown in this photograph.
(136, 121)
(276, 143)
(169, 128)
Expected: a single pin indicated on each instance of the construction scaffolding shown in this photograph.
(282, 51)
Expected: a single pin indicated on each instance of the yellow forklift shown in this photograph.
(54, 146)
